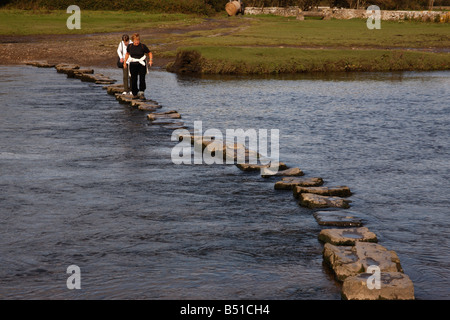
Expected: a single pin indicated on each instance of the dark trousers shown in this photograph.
(137, 69)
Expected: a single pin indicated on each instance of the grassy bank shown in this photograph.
(250, 44)
(269, 44)
(235, 60)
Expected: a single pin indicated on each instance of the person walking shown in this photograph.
(122, 51)
(139, 58)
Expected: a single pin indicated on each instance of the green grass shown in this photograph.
(22, 22)
(238, 60)
(277, 31)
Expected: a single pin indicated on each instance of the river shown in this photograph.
(87, 181)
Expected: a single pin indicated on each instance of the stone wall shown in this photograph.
(279, 11)
(434, 16)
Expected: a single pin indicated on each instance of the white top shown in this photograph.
(122, 50)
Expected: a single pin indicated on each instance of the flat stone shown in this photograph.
(41, 64)
(148, 107)
(231, 152)
(167, 121)
(289, 183)
(166, 112)
(112, 90)
(341, 191)
(204, 141)
(293, 172)
(77, 73)
(88, 77)
(347, 261)
(108, 81)
(97, 78)
(124, 98)
(338, 218)
(139, 102)
(117, 85)
(347, 237)
(64, 68)
(313, 201)
(394, 286)
(169, 115)
(256, 167)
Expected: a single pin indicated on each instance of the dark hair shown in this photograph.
(125, 37)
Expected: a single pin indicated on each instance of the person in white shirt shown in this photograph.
(122, 51)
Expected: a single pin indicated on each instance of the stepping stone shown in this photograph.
(194, 138)
(293, 172)
(113, 90)
(230, 151)
(167, 121)
(64, 68)
(40, 64)
(77, 73)
(348, 261)
(347, 237)
(313, 201)
(97, 78)
(88, 77)
(139, 102)
(338, 219)
(118, 85)
(105, 81)
(124, 98)
(169, 115)
(148, 107)
(341, 191)
(394, 286)
(249, 155)
(256, 167)
(289, 183)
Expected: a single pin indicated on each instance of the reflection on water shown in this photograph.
(86, 181)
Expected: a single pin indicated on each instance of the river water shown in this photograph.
(87, 181)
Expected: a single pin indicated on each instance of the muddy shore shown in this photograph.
(93, 50)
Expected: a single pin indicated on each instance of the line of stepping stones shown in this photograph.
(349, 250)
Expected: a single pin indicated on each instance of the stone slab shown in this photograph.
(167, 121)
(341, 218)
(64, 68)
(292, 172)
(393, 286)
(169, 115)
(347, 237)
(77, 73)
(148, 107)
(340, 191)
(258, 167)
(347, 261)
(230, 151)
(289, 183)
(41, 64)
(113, 90)
(312, 201)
